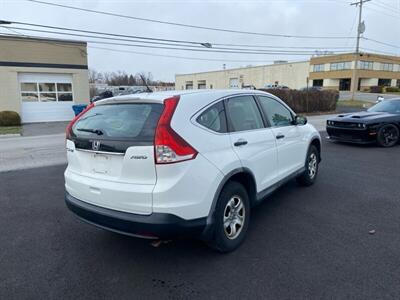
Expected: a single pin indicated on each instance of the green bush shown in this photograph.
(392, 89)
(376, 89)
(306, 102)
(9, 118)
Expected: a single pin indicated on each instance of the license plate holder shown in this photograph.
(101, 163)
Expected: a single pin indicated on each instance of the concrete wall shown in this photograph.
(15, 49)
(293, 75)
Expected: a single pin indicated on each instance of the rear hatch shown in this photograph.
(111, 156)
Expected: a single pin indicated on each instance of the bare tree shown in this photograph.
(94, 76)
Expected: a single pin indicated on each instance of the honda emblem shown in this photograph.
(95, 145)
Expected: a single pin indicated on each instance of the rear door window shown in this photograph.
(243, 114)
(130, 124)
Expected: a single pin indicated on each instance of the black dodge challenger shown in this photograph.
(379, 124)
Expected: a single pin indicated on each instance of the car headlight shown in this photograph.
(361, 125)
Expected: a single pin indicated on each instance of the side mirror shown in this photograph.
(379, 99)
(300, 120)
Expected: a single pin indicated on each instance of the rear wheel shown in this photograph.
(311, 167)
(231, 217)
(388, 135)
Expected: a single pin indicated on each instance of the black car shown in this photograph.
(379, 124)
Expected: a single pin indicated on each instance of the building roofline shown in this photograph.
(250, 67)
(41, 39)
(391, 57)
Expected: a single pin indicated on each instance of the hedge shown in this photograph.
(392, 89)
(9, 118)
(307, 101)
(376, 89)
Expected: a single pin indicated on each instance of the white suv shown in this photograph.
(158, 165)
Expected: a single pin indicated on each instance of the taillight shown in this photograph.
(169, 147)
(69, 126)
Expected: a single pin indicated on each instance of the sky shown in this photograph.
(287, 17)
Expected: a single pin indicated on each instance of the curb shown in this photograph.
(8, 135)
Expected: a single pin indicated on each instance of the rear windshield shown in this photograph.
(133, 122)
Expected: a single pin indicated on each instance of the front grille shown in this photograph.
(344, 124)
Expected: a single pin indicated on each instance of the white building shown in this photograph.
(293, 75)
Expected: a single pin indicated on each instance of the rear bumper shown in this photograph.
(357, 136)
(156, 225)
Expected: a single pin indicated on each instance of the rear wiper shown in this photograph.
(96, 131)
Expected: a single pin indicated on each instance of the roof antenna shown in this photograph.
(145, 83)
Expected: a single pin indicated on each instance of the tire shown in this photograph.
(388, 135)
(226, 220)
(311, 167)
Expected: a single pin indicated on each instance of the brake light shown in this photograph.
(69, 126)
(169, 147)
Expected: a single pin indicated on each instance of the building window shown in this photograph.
(201, 84)
(189, 85)
(387, 67)
(345, 65)
(318, 82)
(319, 68)
(233, 83)
(398, 83)
(46, 92)
(366, 65)
(384, 82)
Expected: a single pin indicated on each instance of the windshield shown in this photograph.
(389, 106)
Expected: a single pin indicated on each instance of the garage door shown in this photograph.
(46, 97)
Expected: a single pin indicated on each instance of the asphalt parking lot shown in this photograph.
(303, 243)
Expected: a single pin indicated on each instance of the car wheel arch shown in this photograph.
(317, 143)
(242, 175)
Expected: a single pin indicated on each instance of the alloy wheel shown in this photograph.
(390, 135)
(234, 217)
(312, 165)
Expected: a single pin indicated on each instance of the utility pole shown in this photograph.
(360, 31)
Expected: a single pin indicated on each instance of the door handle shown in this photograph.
(280, 136)
(240, 142)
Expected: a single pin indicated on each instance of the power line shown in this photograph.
(383, 12)
(381, 43)
(385, 6)
(352, 27)
(180, 57)
(188, 25)
(146, 38)
(194, 49)
(169, 44)
(102, 33)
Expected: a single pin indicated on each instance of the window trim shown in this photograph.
(39, 93)
(292, 114)
(319, 68)
(223, 98)
(337, 63)
(366, 65)
(383, 64)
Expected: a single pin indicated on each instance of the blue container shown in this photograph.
(78, 108)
